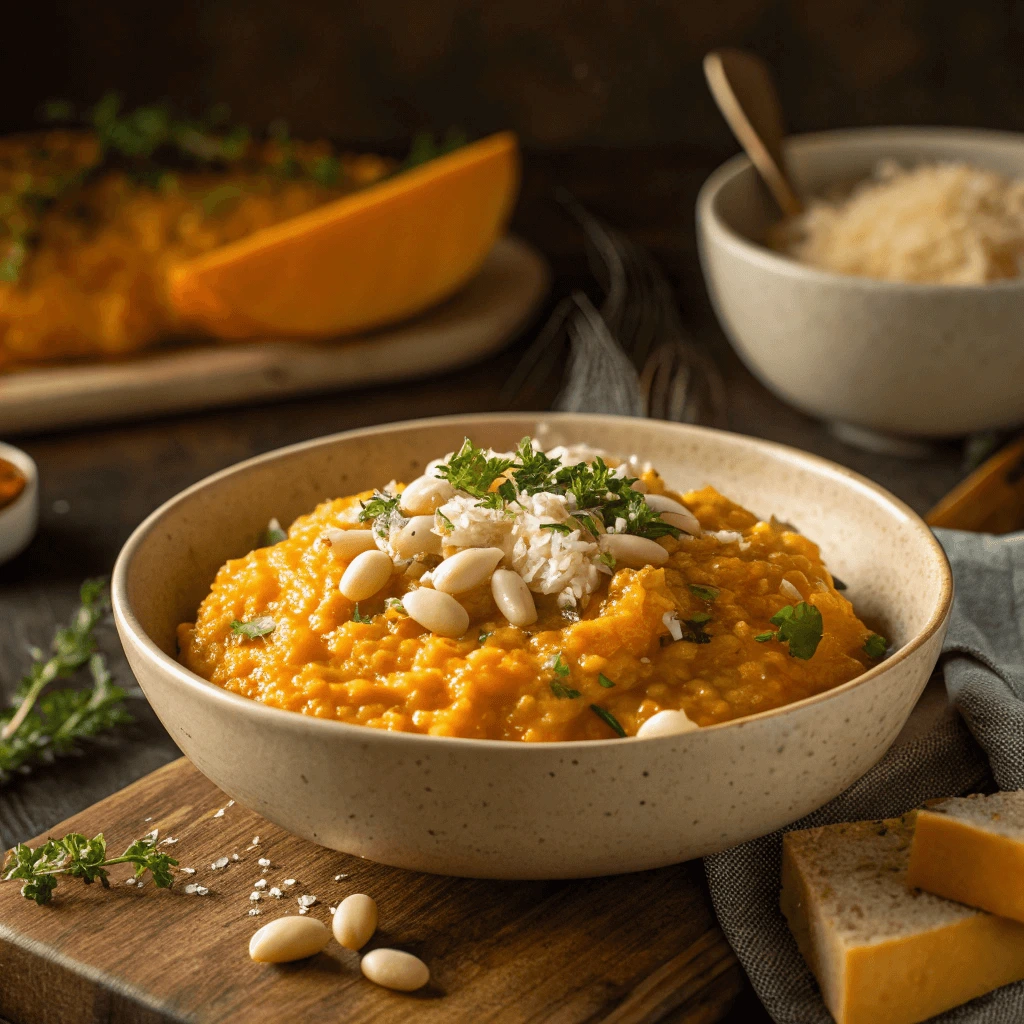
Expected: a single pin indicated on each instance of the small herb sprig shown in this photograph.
(42, 725)
(77, 856)
(800, 626)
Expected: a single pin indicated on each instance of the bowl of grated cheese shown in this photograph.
(893, 304)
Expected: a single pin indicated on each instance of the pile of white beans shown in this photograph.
(438, 610)
(354, 922)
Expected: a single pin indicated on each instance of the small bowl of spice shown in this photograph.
(19, 501)
(892, 305)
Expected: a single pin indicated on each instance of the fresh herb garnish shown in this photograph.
(448, 524)
(704, 593)
(395, 604)
(78, 857)
(252, 628)
(556, 528)
(534, 470)
(356, 617)
(563, 692)
(604, 681)
(875, 646)
(608, 718)
(560, 666)
(762, 638)
(43, 724)
(801, 627)
(381, 504)
(470, 469)
(608, 558)
(484, 634)
(273, 534)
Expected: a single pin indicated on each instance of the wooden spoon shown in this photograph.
(745, 92)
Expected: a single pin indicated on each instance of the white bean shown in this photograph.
(365, 575)
(634, 552)
(349, 543)
(355, 920)
(667, 723)
(466, 569)
(424, 495)
(513, 597)
(288, 938)
(436, 611)
(392, 968)
(674, 513)
(417, 538)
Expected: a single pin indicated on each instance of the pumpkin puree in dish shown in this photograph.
(502, 682)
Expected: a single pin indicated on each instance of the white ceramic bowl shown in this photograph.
(18, 520)
(547, 810)
(909, 359)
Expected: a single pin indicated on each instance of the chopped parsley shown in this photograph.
(381, 504)
(800, 626)
(252, 628)
(470, 470)
(875, 646)
(448, 524)
(533, 469)
(563, 692)
(484, 634)
(556, 527)
(395, 604)
(609, 719)
(356, 617)
(560, 666)
(608, 558)
(604, 681)
(704, 593)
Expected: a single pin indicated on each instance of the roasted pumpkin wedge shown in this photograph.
(369, 259)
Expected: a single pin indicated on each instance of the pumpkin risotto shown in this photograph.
(531, 596)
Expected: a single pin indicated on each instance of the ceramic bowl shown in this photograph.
(503, 809)
(916, 360)
(18, 520)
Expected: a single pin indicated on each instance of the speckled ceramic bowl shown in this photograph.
(915, 360)
(548, 810)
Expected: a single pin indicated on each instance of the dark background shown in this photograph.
(562, 74)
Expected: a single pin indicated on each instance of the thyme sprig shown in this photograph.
(45, 724)
(77, 856)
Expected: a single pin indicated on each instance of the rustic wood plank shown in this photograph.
(622, 950)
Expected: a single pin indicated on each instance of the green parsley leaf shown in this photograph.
(762, 638)
(801, 627)
(534, 470)
(876, 645)
(448, 524)
(556, 528)
(381, 504)
(608, 558)
(273, 534)
(563, 692)
(395, 604)
(560, 666)
(704, 593)
(356, 617)
(470, 470)
(604, 681)
(608, 718)
(252, 628)
(484, 634)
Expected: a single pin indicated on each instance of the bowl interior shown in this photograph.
(822, 161)
(895, 570)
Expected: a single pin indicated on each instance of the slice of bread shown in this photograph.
(884, 953)
(971, 849)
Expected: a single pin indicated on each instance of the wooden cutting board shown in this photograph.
(631, 949)
(481, 319)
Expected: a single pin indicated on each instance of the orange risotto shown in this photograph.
(529, 596)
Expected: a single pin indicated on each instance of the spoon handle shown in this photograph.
(745, 92)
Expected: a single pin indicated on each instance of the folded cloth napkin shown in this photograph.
(980, 742)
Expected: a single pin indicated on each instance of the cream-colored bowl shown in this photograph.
(909, 359)
(19, 519)
(547, 810)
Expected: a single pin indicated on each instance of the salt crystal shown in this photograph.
(254, 897)
(307, 901)
(202, 890)
(275, 892)
(263, 862)
(255, 840)
(303, 910)
(147, 819)
(645, 661)
(338, 878)
(220, 813)
(255, 912)
(220, 862)
(191, 888)
(234, 856)
(289, 881)
(261, 884)
(231, 803)
(129, 881)
(188, 871)
(168, 841)
(333, 910)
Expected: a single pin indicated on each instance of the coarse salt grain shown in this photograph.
(168, 841)
(255, 840)
(220, 862)
(306, 901)
(338, 878)
(220, 813)
(129, 881)
(264, 862)
(333, 910)
(234, 856)
(261, 884)
(201, 890)
(289, 881)
(191, 888)
(303, 910)
(254, 897)
(275, 892)
(187, 871)
(254, 912)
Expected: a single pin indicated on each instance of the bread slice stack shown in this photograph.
(887, 952)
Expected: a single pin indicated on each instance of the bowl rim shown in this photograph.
(768, 259)
(294, 721)
(26, 465)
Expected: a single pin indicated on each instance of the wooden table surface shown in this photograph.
(97, 484)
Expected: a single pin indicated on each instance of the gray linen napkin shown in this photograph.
(979, 742)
